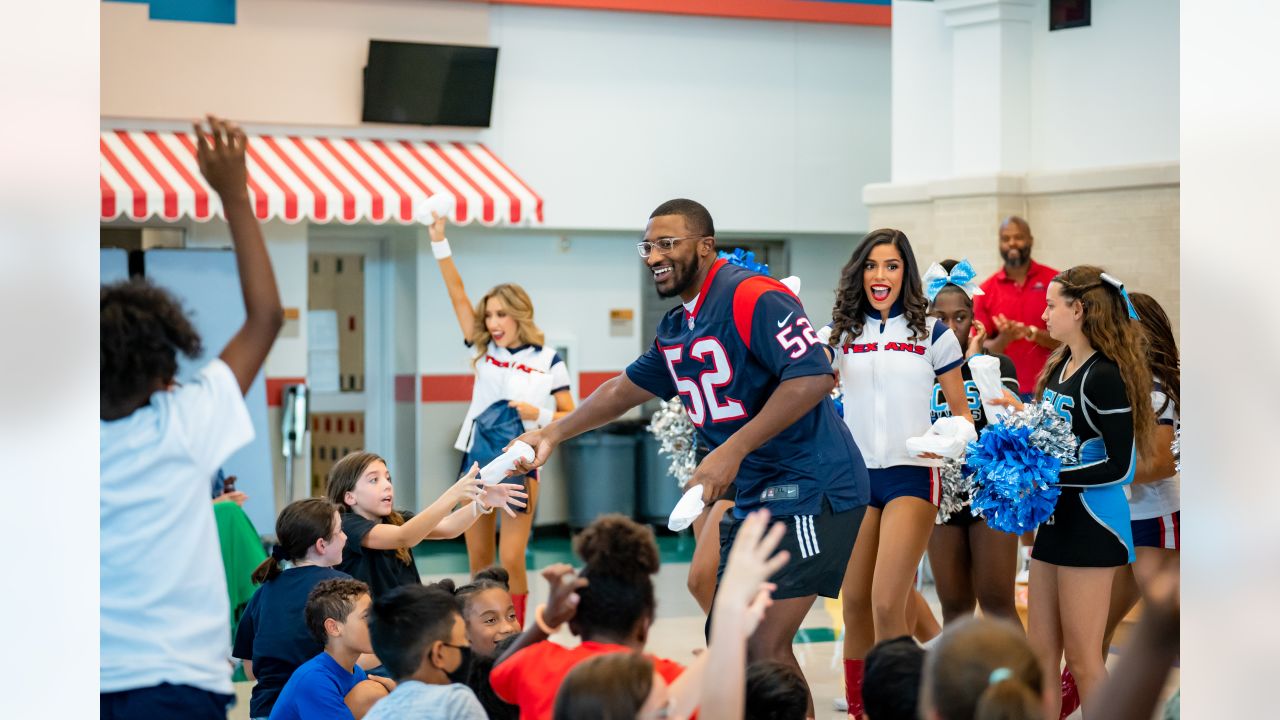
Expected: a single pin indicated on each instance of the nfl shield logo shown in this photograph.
(691, 322)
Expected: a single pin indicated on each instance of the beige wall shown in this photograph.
(1124, 219)
(292, 61)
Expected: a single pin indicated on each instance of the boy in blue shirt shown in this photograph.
(337, 615)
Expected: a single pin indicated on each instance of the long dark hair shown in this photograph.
(299, 525)
(613, 686)
(343, 478)
(850, 312)
(1162, 350)
(1107, 325)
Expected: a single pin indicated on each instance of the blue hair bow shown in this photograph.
(1128, 304)
(962, 276)
(745, 259)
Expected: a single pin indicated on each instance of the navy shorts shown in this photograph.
(915, 481)
(164, 701)
(1159, 532)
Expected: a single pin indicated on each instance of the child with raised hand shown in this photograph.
(380, 537)
(273, 638)
(741, 600)
(165, 618)
(610, 606)
(981, 669)
(420, 636)
(337, 615)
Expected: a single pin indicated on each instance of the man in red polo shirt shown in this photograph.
(1012, 304)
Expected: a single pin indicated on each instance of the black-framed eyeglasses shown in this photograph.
(662, 245)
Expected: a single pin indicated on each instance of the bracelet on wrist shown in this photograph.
(441, 249)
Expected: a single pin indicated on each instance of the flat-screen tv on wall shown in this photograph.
(423, 84)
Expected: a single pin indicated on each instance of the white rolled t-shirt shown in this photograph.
(165, 615)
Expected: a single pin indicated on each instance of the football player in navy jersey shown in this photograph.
(752, 374)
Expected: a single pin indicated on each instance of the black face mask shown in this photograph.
(462, 673)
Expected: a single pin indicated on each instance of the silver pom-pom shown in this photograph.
(675, 434)
(1050, 432)
(1177, 450)
(957, 489)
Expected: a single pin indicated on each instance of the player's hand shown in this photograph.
(436, 228)
(716, 471)
(562, 600)
(220, 155)
(976, 340)
(542, 444)
(527, 411)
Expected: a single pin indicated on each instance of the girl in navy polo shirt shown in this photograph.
(512, 368)
(889, 352)
(272, 637)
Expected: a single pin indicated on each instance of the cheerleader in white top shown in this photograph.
(511, 365)
(1095, 379)
(889, 352)
(1153, 497)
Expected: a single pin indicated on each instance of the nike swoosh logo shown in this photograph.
(786, 319)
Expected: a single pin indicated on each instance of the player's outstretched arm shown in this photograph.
(610, 400)
(788, 403)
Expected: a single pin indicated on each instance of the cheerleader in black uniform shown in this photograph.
(1095, 379)
(972, 563)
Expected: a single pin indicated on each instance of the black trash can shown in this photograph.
(600, 469)
(657, 493)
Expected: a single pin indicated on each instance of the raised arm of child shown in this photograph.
(741, 601)
(220, 154)
(440, 520)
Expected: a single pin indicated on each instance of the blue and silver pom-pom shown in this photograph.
(1177, 450)
(1015, 466)
(675, 434)
(746, 259)
(957, 489)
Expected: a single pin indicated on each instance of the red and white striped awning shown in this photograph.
(147, 174)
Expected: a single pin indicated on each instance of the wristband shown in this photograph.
(545, 416)
(441, 249)
(542, 624)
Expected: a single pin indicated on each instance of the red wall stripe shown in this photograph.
(276, 386)
(589, 381)
(436, 388)
(447, 388)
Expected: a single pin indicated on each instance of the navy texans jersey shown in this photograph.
(746, 334)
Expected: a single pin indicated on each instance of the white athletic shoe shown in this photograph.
(841, 704)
